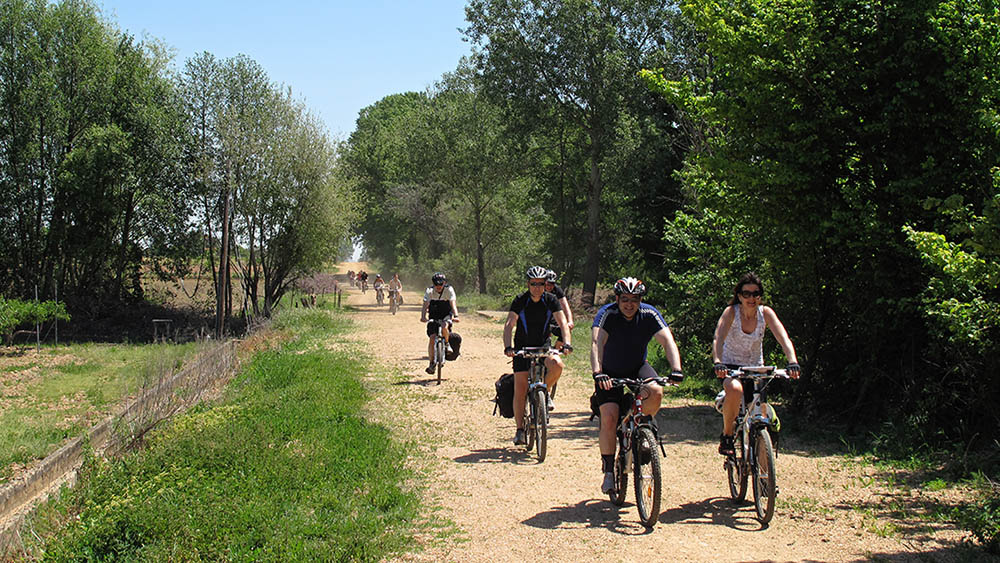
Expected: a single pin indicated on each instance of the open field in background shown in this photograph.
(50, 397)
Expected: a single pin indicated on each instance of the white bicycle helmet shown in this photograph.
(536, 272)
(632, 286)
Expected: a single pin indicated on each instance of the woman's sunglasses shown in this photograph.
(749, 294)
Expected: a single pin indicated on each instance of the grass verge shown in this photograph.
(50, 397)
(283, 469)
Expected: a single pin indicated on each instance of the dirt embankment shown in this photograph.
(508, 507)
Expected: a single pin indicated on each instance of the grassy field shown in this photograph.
(50, 396)
(282, 468)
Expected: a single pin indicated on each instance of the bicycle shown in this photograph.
(753, 450)
(536, 412)
(393, 301)
(440, 348)
(379, 296)
(637, 435)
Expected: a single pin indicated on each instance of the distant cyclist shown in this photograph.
(620, 335)
(378, 285)
(738, 338)
(439, 306)
(395, 286)
(552, 287)
(528, 322)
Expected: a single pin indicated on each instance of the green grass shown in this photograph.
(67, 396)
(283, 469)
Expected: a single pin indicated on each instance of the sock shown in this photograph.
(608, 462)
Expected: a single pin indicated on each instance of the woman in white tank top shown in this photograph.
(738, 338)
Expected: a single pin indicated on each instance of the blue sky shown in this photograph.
(337, 56)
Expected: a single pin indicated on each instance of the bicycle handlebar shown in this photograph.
(537, 352)
(631, 383)
(759, 372)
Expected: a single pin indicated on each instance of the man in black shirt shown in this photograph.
(528, 322)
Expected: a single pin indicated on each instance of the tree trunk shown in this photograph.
(220, 289)
(592, 266)
(480, 252)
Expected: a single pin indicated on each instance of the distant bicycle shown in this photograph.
(536, 412)
(639, 446)
(379, 295)
(752, 446)
(393, 301)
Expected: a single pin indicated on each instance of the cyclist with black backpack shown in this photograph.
(528, 323)
(620, 334)
(439, 305)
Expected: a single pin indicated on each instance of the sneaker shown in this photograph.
(430, 369)
(519, 437)
(550, 404)
(608, 486)
(726, 445)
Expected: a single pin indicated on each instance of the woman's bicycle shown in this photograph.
(536, 412)
(393, 301)
(639, 447)
(753, 450)
(379, 295)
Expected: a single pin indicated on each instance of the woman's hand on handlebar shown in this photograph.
(721, 371)
(509, 351)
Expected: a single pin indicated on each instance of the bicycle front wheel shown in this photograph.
(736, 469)
(764, 480)
(646, 466)
(439, 348)
(617, 496)
(539, 414)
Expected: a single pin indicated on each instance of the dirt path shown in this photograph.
(507, 507)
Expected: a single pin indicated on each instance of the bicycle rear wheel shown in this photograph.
(539, 416)
(736, 469)
(617, 496)
(648, 481)
(764, 480)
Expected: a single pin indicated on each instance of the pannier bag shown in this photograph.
(455, 342)
(505, 396)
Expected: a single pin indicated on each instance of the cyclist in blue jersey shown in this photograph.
(528, 322)
(620, 334)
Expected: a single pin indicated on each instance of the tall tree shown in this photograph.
(577, 60)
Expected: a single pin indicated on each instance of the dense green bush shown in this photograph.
(15, 313)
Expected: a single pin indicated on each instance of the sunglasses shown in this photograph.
(749, 294)
(437, 284)
(536, 284)
(630, 299)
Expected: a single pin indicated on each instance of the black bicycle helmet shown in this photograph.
(536, 272)
(438, 278)
(551, 276)
(632, 286)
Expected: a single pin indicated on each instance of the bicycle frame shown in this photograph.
(634, 419)
(749, 425)
(440, 346)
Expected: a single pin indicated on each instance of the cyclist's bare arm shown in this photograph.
(567, 337)
(721, 330)
(508, 332)
(564, 303)
(599, 337)
(423, 311)
(454, 310)
(778, 329)
(666, 340)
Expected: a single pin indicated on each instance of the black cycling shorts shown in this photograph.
(432, 325)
